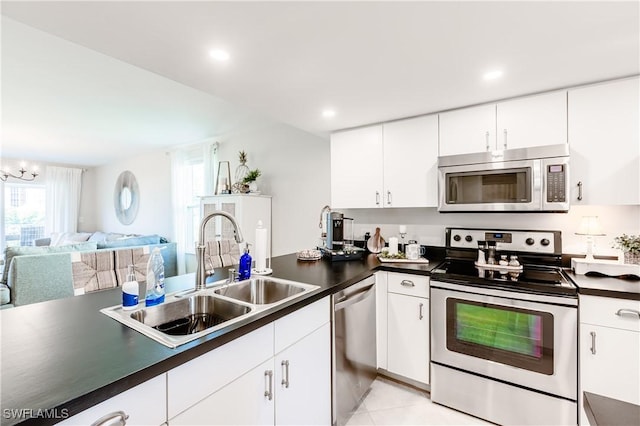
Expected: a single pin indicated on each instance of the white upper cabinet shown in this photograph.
(356, 168)
(411, 162)
(605, 143)
(390, 165)
(532, 121)
(520, 123)
(468, 130)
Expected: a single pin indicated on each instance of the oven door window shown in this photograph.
(492, 186)
(518, 337)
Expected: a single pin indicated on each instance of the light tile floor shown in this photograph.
(391, 403)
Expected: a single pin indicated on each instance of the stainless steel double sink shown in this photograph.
(186, 317)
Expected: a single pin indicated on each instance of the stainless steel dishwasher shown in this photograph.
(354, 347)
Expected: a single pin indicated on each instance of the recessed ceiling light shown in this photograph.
(492, 75)
(328, 113)
(219, 55)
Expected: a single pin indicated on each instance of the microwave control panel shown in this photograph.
(556, 181)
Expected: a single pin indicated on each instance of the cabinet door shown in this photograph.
(605, 143)
(411, 162)
(408, 336)
(613, 370)
(356, 168)
(532, 121)
(303, 381)
(145, 404)
(468, 130)
(381, 318)
(249, 400)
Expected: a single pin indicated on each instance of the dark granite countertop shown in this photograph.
(606, 286)
(66, 355)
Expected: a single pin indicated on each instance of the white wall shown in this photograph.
(427, 225)
(295, 168)
(153, 174)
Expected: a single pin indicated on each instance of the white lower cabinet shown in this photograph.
(406, 333)
(145, 404)
(279, 374)
(609, 349)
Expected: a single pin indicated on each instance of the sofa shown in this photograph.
(36, 274)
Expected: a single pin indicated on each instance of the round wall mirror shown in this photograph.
(126, 198)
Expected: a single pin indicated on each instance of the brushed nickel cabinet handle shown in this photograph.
(420, 315)
(487, 138)
(108, 419)
(269, 391)
(389, 197)
(580, 191)
(623, 311)
(593, 342)
(505, 138)
(377, 198)
(285, 373)
(407, 283)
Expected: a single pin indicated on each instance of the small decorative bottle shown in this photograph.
(130, 290)
(244, 270)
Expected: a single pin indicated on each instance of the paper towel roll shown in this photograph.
(393, 245)
(260, 249)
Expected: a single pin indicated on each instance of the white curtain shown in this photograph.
(62, 188)
(184, 192)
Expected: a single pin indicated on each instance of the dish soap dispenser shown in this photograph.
(130, 290)
(155, 279)
(244, 271)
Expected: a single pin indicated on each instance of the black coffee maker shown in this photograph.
(334, 222)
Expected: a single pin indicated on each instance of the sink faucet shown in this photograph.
(201, 274)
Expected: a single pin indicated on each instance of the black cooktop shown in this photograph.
(532, 278)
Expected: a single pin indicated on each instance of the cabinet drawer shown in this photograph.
(411, 285)
(610, 312)
(295, 326)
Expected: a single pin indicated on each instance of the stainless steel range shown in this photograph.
(504, 326)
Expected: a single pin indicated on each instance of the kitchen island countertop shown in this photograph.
(66, 356)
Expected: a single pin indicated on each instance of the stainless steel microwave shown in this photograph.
(516, 180)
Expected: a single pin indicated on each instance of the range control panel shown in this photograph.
(545, 242)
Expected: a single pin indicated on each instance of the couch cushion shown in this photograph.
(92, 271)
(138, 257)
(130, 242)
(36, 278)
(12, 252)
(66, 238)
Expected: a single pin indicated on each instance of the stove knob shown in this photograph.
(456, 237)
(530, 241)
(468, 238)
(544, 242)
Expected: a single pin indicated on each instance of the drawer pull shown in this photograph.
(593, 342)
(407, 283)
(285, 378)
(108, 419)
(622, 312)
(420, 315)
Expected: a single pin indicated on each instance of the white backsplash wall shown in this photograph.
(427, 226)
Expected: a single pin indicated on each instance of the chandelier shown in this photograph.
(21, 176)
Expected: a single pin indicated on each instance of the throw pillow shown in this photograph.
(65, 238)
(12, 252)
(130, 242)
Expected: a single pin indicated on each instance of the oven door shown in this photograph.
(500, 186)
(502, 337)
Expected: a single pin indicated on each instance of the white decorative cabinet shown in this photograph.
(605, 143)
(388, 165)
(356, 168)
(411, 162)
(609, 349)
(247, 209)
(520, 123)
(408, 326)
(145, 404)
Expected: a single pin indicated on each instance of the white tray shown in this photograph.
(389, 260)
(607, 267)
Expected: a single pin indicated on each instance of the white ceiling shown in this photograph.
(370, 61)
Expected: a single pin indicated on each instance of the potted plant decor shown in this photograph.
(630, 246)
(250, 179)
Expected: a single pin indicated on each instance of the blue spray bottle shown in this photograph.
(244, 270)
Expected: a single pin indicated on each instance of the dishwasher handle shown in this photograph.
(355, 298)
